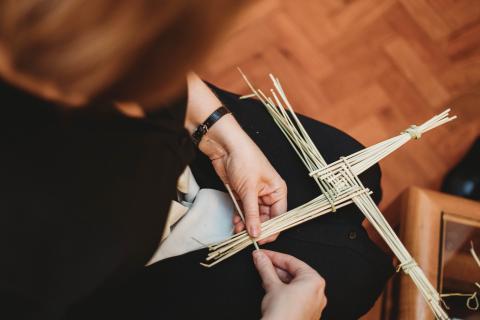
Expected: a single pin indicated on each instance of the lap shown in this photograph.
(180, 288)
(335, 245)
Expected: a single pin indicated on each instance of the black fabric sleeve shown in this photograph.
(83, 202)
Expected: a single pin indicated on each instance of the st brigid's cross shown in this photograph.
(339, 185)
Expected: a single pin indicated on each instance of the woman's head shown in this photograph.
(134, 50)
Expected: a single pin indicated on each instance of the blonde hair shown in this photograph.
(109, 48)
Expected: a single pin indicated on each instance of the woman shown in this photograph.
(87, 181)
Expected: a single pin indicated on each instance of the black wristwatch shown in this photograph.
(207, 124)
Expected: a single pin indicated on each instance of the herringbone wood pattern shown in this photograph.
(370, 68)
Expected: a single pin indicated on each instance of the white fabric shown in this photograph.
(187, 185)
(176, 212)
(193, 225)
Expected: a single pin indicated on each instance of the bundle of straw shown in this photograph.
(339, 185)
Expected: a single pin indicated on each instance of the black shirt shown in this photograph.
(83, 199)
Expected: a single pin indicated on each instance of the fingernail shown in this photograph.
(253, 231)
(257, 256)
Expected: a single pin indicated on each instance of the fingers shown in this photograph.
(276, 202)
(300, 273)
(251, 212)
(323, 302)
(289, 263)
(236, 218)
(239, 227)
(264, 210)
(266, 270)
(275, 197)
(263, 218)
(283, 275)
(269, 239)
(278, 207)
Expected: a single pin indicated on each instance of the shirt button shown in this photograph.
(352, 235)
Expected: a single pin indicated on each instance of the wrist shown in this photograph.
(224, 137)
(201, 102)
(212, 119)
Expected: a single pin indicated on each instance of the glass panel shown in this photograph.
(458, 269)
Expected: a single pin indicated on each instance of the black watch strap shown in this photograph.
(207, 124)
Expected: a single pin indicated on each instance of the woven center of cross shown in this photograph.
(336, 182)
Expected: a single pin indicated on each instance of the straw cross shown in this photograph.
(339, 186)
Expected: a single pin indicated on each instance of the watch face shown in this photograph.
(199, 133)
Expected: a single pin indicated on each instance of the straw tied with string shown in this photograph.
(339, 185)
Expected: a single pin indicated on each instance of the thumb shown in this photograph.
(250, 209)
(266, 270)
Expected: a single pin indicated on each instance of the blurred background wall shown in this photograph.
(370, 68)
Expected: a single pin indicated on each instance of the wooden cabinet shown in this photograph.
(438, 230)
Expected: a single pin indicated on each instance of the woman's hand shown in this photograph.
(293, 289)
(258, 186)
(237, 161)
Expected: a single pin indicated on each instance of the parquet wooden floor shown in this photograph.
(370, 68)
